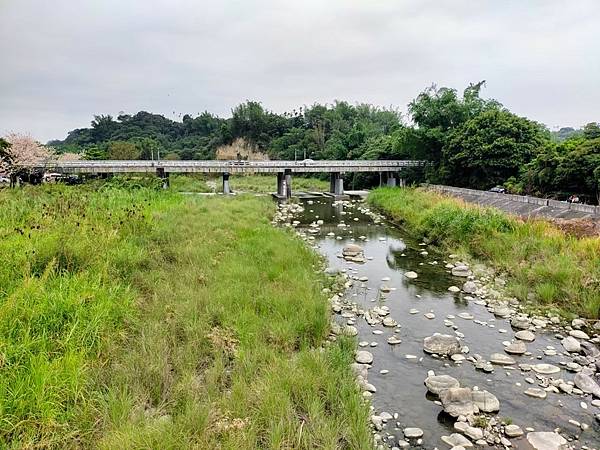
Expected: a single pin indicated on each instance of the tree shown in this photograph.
(23, 157)
(591, 130)
(123, 150)
(5, 156)
(490, 148)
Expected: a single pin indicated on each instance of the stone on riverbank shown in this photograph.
(525, 335)
(587, 384)
(571, 344)
(364, 357)
(546, 440)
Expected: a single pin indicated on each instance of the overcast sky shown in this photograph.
(62, 61)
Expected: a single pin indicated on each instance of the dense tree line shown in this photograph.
(468, 140)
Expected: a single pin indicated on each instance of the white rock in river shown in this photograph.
(412, 433)
(513, 430)
(437, 383)
(458, 401)
(545, 369)
(457, 440)
(461, 271)
(525, 335)
(571, 344)
(393, 340)
(579, 334)
(520, 322)
(412, 275)
(502, 360)
(536, 392)
(587, 384)
(364, 357)
(485, 401)
(546, 440)
(389, 322)
(454, 289)
(516, 348)
(352, 250)
(469, 287)
(442, 344)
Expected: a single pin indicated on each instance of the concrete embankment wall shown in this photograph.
(522, 205)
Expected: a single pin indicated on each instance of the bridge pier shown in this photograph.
(287, 175)
(336, 183)
(390, 179)
(280, 185)
(164, 176)
(226, 188)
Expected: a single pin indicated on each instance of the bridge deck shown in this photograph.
(108, 166)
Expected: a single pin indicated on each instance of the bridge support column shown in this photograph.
(226, 188)
(391, 179)
(280, 184)
(336, 183)
(164, 176)
(287, 174)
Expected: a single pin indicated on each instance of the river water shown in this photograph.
(391, 253)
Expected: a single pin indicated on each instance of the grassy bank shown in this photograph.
(560, 270)
(146, 319)
(268, 183)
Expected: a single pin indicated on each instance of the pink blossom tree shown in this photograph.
(23, 156)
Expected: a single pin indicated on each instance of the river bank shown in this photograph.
(543, 266)
(442, 359)
(137, 318)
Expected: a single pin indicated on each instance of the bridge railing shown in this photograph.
(144, 164)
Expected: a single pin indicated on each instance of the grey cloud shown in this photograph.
(63, 61)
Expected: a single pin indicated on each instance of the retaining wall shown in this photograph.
(522, 205)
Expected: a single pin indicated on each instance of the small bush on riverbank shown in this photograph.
(145, 319)
(558, 269)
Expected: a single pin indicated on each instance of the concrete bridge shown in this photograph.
(389, 170)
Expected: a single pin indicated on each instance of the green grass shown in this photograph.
(191, 183)
(139, 318)
(560, 270)
(268, 183)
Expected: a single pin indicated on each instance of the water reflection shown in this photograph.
(402, 390)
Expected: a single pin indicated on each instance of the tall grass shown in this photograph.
(558, 269)
(137, 318)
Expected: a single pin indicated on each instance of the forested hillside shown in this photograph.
(469, 140)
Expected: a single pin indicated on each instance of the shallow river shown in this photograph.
(401, 390)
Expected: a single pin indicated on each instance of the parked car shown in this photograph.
(498, 190)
